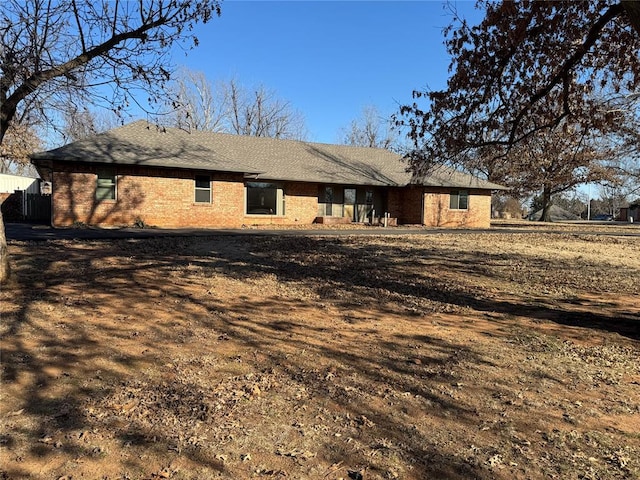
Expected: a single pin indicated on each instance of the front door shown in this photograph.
(328, 201)
(349, 203)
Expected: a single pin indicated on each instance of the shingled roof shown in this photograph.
(143, 143)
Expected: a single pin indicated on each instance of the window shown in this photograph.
(264, 199)
(328, 201)
(328, 194)
(349, 196)
(369, 197)
(106, 185)
(203, 189)
(459, 200)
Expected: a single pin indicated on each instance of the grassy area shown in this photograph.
(486, 355)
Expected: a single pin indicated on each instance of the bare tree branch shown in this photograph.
(530, 74)
(42, 63)
(131, 53)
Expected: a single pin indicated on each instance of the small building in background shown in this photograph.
(556, 214)
(630, 213)
(9, 183)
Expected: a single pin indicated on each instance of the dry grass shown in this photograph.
(442, 356)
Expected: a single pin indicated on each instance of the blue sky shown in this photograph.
(329, 59)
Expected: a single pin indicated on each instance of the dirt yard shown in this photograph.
(445, 356)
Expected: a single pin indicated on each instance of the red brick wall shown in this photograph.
(438, 214)
(158, 197)
(411, 206)
(301, 202)
(165, 198)
(430, 206)
(395, 200)
(170, 201)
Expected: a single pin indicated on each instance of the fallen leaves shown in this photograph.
(330, 358)
(295, 453)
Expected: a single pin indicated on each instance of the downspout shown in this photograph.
(51, 199)
(422, 204)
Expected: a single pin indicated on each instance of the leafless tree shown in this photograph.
(260, 112)
(627, 141)
(229, 107)
(111, 50)
(82, 123)
(370, 130)
(613, 196)
(198, 104)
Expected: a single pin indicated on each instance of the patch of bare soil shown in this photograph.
(448, 356)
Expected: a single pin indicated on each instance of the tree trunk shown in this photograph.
(632, 7)
(546, 205)
(5, 271)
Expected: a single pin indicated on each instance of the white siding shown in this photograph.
(10, 183)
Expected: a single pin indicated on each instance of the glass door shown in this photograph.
(349, 203)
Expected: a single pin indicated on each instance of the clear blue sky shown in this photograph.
(329, 59)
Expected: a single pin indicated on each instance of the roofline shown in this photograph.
(19, 176)
(35, 162)
(262, 175)
(379, 177)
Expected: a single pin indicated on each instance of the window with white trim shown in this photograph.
(203, 189)
(106, 184)
(459, 200)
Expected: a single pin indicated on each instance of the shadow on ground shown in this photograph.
(67, 372)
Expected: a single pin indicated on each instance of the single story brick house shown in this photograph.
(171, 178)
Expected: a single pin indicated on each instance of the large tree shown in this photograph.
(525, 76)
(259, 112)
(628, 142)
(555, 161)
(81, 123)
(199, 105)
(228, 106)
(370, 130)
(114, 50)
(19, 142)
